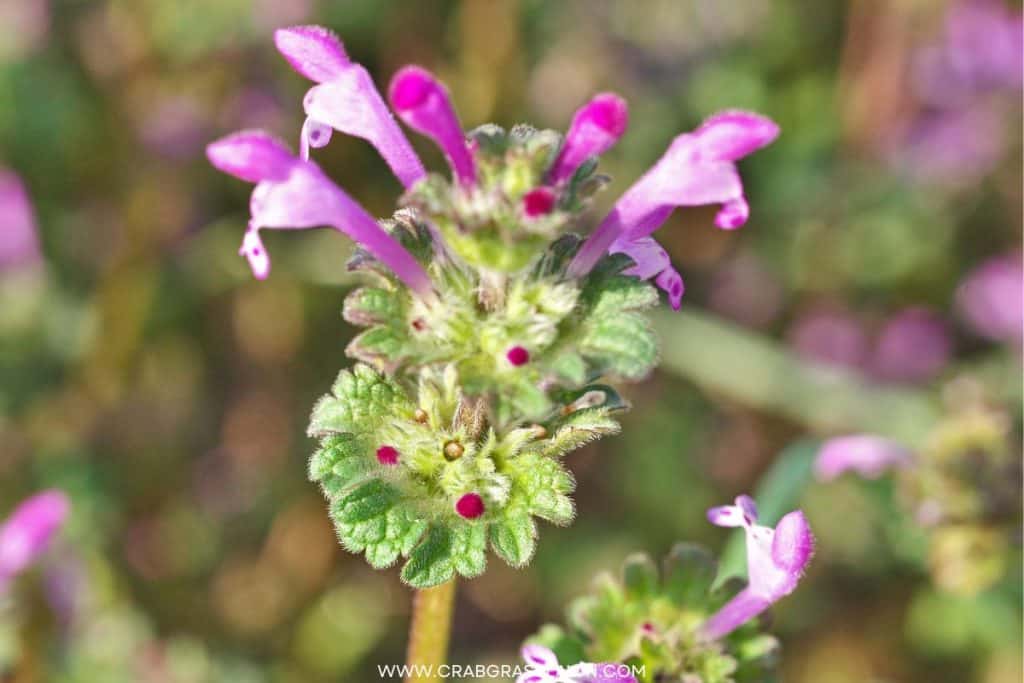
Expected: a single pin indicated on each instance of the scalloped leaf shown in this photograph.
(372, 306)
(623, 343)
(546, 485)
(579, 429)
(340, 461)
(430, 562)
(514, 537)
(359, 401)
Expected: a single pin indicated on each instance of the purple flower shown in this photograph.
(991, 299)
(26, 534)
(423, 103)
(868, 455)
(292, 193)
(543, 667)
(596, 126)
(912, 346)
(831, 338)
(19, 244)
(776, 559)
(345, 99)
(698, 168)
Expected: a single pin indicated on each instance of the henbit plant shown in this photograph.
(491, 326)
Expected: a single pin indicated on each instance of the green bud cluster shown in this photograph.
(965, 488)
(649, 619)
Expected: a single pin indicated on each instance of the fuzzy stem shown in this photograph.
(429, 631)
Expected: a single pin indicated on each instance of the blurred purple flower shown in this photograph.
(543, 667)
(831, 338)
(174, 128)
(960, 79)
(745, 291)
(698, 168)
(345, 99)
(980, 51)
(991, 299)
(24, 27)
(912, 346)
(776, 559)
(292, 193)
(19, 242)
(26, 533)
(868, 455)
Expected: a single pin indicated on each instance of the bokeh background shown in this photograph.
(145, 372)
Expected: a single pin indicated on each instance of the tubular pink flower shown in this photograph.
(423, 103)
(698, 168)
(345, 99)
(596, 126)
(868, 455)
(291, 193)
(26, 534)
(19, 243)
(776, 559)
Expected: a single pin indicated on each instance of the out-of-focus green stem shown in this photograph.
(429, 632)
(756, 371)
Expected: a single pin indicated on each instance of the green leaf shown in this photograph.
(378, 344)
(778, 493)
(623, 343)
(371, 520)
(688, 573)
(469, 549)
(579, 429)
(371, 306)
(430, 562)
(571, 367)
(359, 401)
(372, 499)
(514, 537)
(341, 460)
(623, 293)
(640, 576)
(545, 485)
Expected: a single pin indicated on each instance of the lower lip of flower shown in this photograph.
(387, 455)
(470, 506)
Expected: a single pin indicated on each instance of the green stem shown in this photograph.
(757, 372)
(429, 631)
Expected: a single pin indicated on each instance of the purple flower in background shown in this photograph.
(776, 559)
(745, 290)
(698, 168)
(831, 338)
(543, 667)
(19, 243)
(292, 193)
(961, 80)
(912, 346)
(991, 299)
(868, 455)
(26, 533)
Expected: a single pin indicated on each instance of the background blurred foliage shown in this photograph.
(143, 370)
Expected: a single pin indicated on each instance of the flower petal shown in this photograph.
(596, 126)
(868, 455)
(424, 104)
(743, 607)
(793, 543)
(27, 532)
(726, 515)
(351, 104)
(313, 51)
(698, 168)
(538, 655)
(991, 299)
(253, 156)
(672, 283)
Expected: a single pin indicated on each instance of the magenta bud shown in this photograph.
(470, 506)
(387, 455)
(518, 356)
(538, 202)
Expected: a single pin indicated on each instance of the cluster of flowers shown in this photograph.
(489, 322)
